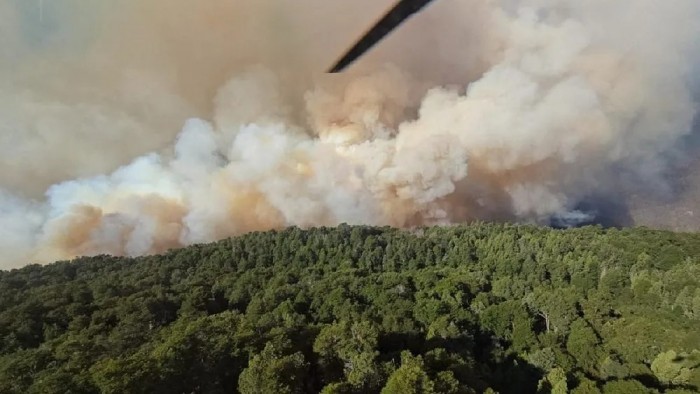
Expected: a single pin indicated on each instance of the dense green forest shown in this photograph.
(482, 308)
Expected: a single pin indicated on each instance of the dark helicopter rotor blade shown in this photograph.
(397, 15)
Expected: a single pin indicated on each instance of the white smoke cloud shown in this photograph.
(523, 118)
(21, 222)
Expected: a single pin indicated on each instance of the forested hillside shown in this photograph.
(468, 309)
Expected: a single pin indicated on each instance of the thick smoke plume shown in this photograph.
(136, 126)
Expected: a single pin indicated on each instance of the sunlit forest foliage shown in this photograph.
(483, 308)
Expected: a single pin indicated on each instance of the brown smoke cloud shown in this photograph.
(133, 127)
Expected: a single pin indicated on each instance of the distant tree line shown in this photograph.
(483, 308)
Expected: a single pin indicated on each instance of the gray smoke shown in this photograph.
(135, 127)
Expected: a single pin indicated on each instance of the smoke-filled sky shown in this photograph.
(135, 126)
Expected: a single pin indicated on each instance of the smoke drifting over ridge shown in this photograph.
(131, 128)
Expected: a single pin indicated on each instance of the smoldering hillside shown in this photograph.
(131, 127)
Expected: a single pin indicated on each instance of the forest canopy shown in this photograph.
(353, 309)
